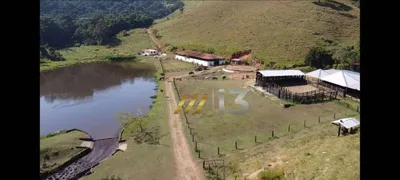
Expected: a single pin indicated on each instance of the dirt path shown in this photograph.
(186, 165)
(154, 39)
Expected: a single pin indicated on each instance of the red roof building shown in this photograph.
(199, 55)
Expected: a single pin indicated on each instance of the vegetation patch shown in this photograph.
(58, 148)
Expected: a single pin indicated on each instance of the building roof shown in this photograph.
(276, 73)
(149, 50)
(347, 122)
(345, 78)
(199, 55)
(319, 73)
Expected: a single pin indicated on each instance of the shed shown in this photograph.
(347, 124)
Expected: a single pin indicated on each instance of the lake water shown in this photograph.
(89, 97)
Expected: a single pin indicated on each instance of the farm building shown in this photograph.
(199, 58)
(291, 85)
(347, 125)
(149, 52)
(348, 82)
(237, 62)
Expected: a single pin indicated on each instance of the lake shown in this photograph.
(89, 97)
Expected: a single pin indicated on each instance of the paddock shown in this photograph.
(291, 85)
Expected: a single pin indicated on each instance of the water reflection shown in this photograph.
(89, 96)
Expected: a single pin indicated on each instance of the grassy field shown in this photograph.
(280, 31)
(315, 153)
(130, 45)
(56, 150)
(214, 130)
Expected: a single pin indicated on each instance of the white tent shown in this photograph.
(319, 73)
(344, 78)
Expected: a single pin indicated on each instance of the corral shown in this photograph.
(291, 85)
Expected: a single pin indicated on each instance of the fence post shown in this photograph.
(288, 128)
(190, 129)
(272, 133)
(192, 137)
(195, 147)
(218, 150)
(319, 119)
(204, 164)
(334, 115)
(199, 155)
(305, 123)
(255, 139)
(235, 144)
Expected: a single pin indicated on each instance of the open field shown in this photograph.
(213, 130)
(56, 150)
(130, 45)
(315, 153)
(280, 31)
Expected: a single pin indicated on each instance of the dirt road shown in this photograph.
(153, 37)
(187, 168)
(186, 165)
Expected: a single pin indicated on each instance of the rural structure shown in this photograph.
(199, 58)
(347, 125)
(291, 85)
(345, 81)
(149, 52)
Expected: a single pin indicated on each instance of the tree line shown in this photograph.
(66, 23)
(341, 57)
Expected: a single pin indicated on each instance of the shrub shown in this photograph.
(271, 174)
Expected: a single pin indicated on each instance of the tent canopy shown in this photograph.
(345, 78)
(319, 73)
(276, 73)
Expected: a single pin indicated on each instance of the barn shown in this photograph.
(199, 58)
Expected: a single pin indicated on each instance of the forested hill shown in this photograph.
(73, 22)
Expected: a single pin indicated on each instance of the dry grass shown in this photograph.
(274, 30)
(214, 130)
(315, 153)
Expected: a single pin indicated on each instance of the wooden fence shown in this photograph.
(180, 69)
(306, 97)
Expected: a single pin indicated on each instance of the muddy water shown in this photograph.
(90, 96)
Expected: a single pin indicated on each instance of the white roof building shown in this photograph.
(345, 78)
(347, 122)
(277, 73)
(319, 73)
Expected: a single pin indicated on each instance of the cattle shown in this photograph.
(247, 77)
(162, 78)
(207, 77)
(223, 77)
(178, 79)
(214, 78)
(191, 72)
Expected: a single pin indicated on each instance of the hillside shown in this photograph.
(315, 153)
(281, 31)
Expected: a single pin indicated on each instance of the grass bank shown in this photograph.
(143, 161)
(57, 148)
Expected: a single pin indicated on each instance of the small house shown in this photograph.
(149, 52)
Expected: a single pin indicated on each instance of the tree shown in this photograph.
(318, 57)
(345, 56)
(181, 9)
